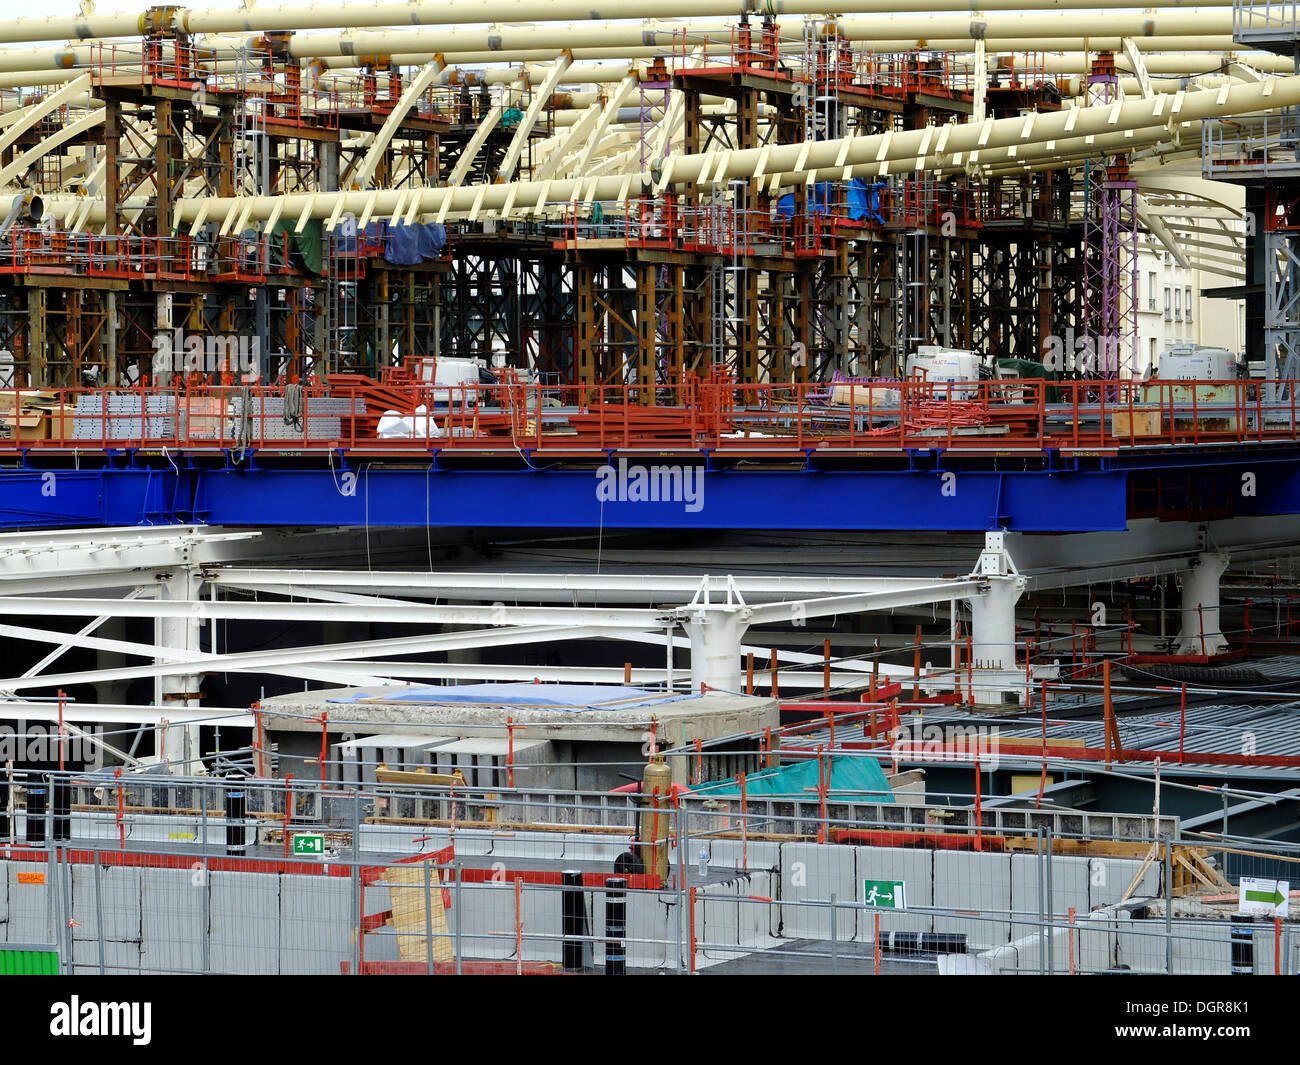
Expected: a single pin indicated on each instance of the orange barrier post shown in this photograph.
(775, 680)
(979, 832)
(749, 674)
(826, 667)
(1073, 971)
(877, 943)
(692, 928)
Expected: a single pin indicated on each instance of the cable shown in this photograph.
(293, 405)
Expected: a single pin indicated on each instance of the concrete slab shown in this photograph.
(31, 903)
(119, 898)
(172, 920)
(973, 882)
(915, 868)
(245, 923)
(316, 924)
(1069, 890)
(813, 871)
(1109, 878)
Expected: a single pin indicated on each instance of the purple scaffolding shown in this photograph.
(1110, 252)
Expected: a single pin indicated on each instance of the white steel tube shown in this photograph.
(808, 158)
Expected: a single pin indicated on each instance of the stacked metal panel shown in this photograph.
(112, 416)
(322, 417)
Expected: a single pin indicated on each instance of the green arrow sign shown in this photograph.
(1269, 898)
(309, 843)
(885, 894)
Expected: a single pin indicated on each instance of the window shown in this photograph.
(1178, 305)
(1188, 300)
(1151, 291)
(1151, 347)
(1167, 305)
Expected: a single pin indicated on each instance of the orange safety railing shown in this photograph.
(776, 418)
(154, 61)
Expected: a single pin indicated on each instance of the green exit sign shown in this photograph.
(309, 843)
(885, 894)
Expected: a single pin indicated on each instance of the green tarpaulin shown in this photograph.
(1025, 368)
(851, 780)
(305, 245)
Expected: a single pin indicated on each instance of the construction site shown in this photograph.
(491, 487)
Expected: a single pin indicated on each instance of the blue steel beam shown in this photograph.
(31, 498)
(143, 489)
(726, 499)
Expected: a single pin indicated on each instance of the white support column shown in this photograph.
(715, 648)
(993, 623)
(1200, 612)
(180, 746)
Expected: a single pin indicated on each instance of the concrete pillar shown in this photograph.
(715, 649)
(1200, 610)
(178, 691)
(993, 641)
(993, 622)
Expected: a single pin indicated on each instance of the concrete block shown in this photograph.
(1095, 943)
(528, 845)
(1109, 878)
(316, 924)
(31, 905)
(964, 880)
(1198, 947)
(1069, 890)
(755, 917)
(486, 919)
(245, 923)
(735, 854)
(815, 871)
(915, 868)
(652, 919)
(172, 920)
(119, 890)
(717, 920)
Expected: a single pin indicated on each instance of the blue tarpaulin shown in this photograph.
(403, 245)
(861, 200)
(414, 244)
